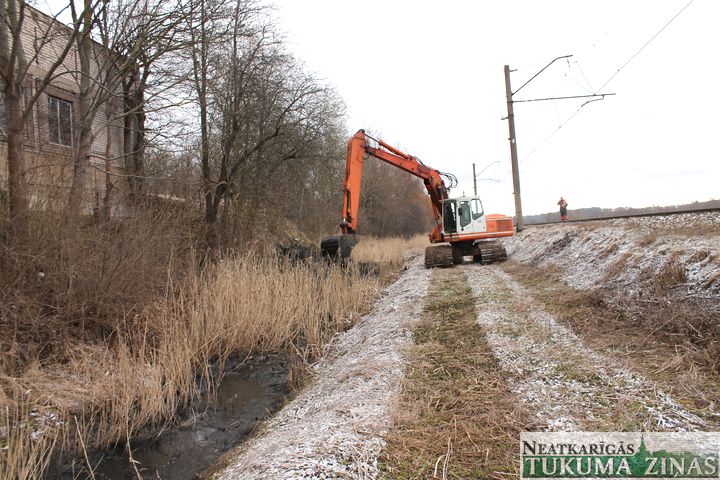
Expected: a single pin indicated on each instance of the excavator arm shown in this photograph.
(358, 149)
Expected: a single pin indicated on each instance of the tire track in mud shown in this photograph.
(335, 427)
(568, 386)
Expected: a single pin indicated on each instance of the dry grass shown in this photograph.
(76, 285)
(388, 250)
(457, 417)
(244, 304)
(618, 265)
(27, 440)
(672, 274)
(253, 303)
(647, 239)
(115, 376)
(673, 343)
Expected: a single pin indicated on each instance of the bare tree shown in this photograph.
(86, 107)
(258, 111)
(393, 202)
(260, 117)
(205, 29)
(136, 35)
(148, 35)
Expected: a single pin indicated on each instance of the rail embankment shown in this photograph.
(645, 290)
(636, 260)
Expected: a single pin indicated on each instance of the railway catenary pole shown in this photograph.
(475, 175)
(474, 181)
(519, 224)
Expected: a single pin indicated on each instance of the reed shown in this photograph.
(159, 359)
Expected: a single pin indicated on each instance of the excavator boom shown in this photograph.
(358, 148)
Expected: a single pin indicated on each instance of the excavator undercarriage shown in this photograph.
(483, 252)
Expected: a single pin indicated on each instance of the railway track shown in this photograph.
(637, 215)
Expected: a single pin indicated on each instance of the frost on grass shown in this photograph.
(567, 385)
(335, 427)
(636, 257)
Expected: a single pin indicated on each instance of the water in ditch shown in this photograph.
(247, 394)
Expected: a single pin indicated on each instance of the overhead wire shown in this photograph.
(534, 125)
(546, 139)
(646, 44)
(582, 72)
(588, 87)
(552, 134)
(627, 62)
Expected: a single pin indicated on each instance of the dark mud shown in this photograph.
(248, 393)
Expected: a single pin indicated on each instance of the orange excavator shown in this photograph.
(462, 229)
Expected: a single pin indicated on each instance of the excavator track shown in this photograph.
(490, 252)
(439, 256)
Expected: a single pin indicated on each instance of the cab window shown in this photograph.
(476, 208)
(464, 212)
(449, 221)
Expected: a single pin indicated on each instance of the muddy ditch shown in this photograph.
(250, 391)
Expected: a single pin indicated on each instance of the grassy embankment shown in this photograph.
(642, 289)
(674, 343)
(101, 382)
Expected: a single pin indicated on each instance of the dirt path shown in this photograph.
(335, 427)
(568, 385)
(457, 417)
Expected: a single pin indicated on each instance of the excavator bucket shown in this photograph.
(339, 246)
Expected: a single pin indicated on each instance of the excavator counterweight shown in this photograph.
(460, 223)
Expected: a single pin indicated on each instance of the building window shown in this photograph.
(60, 121)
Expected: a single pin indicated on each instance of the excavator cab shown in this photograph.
(463, 216)
(468, 232)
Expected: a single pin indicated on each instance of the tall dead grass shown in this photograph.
(390, 250)
(161, 355)
(27, 440)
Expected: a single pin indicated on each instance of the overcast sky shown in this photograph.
(428, 76)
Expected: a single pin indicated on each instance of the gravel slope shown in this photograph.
(630, 256)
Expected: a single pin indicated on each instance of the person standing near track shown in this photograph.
(563, 209)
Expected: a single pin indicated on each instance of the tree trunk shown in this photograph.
(85, 115)
(134, 134)
(78, 191)
(139, 151)
(17, 180)
(212, 193)
(109, 185)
